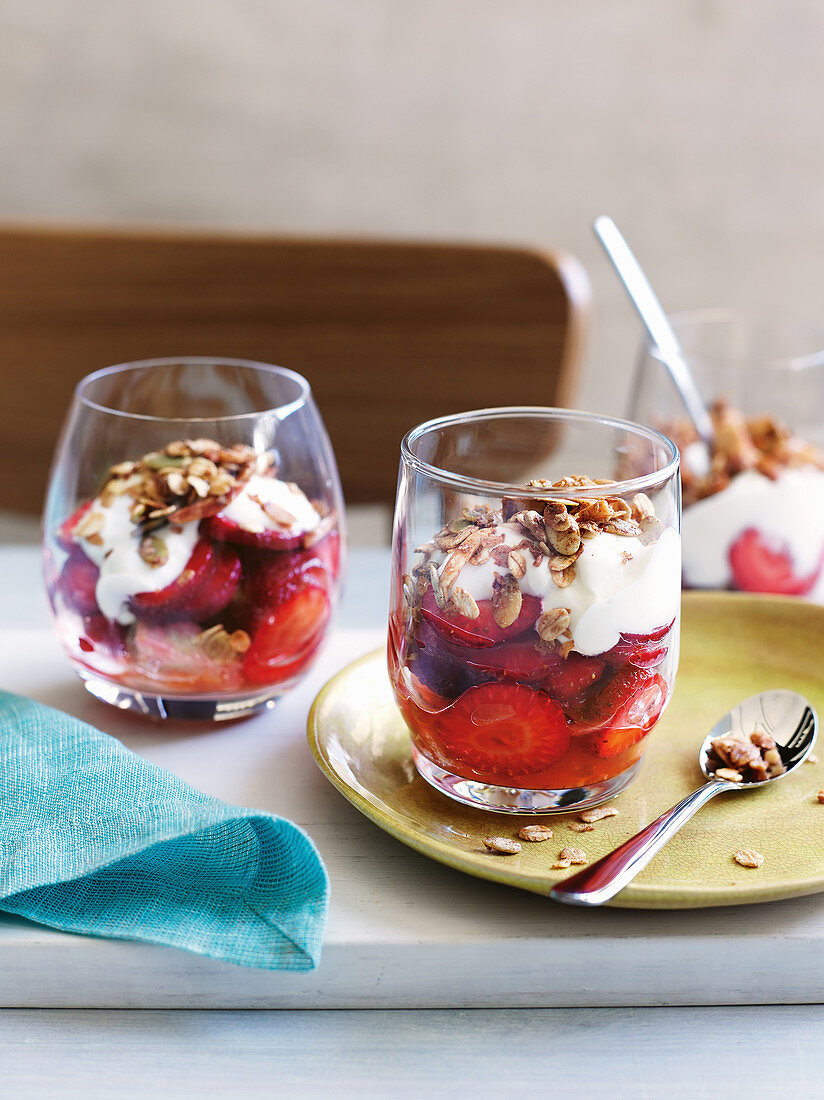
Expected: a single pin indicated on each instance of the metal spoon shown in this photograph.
(655, 321)
(785, 715)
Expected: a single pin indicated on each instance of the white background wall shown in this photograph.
(697, 124)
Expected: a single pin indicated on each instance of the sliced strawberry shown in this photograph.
(758, 567)
(519, 660)
(570, 680)
(640, 650)
(204, 587)
(227, 530)
(290, 607)
(78, 583)
(483, 631)
(170, 658)
(102, 635)
(627, 708)
(440, 666)
(504, 729)
(65, 532)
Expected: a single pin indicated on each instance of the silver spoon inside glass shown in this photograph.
(656, 322)
(785, 716)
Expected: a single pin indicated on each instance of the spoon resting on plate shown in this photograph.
(785, 716)
(656, 323)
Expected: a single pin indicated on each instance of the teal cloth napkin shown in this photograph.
(94, 839)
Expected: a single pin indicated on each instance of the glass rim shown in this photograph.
(728, 315)
(280, 411)
(539, 412)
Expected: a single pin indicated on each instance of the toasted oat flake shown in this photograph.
(517, 564)
(730, 774)
(811, 759)
(748, 857)
(553, 623)
(580, 827)
(502, 845)
(820, 796)
(535, 834)
(575, 856)
(598, 813)
(464, 604)
(560, 865)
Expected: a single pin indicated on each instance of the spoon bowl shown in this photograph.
(787, 717)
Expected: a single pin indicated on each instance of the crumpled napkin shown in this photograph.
(94, 839)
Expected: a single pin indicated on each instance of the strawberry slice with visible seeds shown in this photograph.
(480, 632)
(759, 567)
(570, 680)
(78, 583)
(504, 729)
(204, 587)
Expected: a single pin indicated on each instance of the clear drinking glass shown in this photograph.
(754, 508)
(192, 536)
(533, 632)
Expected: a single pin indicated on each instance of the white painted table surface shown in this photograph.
(404, 933)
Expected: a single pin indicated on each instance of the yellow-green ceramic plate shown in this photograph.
(731, 646)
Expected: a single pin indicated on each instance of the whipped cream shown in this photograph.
(246, 509)
(787, 512)
(123, 573)
(621, 586)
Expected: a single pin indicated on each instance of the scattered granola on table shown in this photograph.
(748, 857)
(502, 845)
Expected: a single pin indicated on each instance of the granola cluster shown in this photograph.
(552, 530)
(186, 481)
(739, 758)
(740, 443)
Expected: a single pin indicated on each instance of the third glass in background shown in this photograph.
(753, 517)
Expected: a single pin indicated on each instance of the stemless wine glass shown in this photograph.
(533, 633)
(193, 532)
(754, 508)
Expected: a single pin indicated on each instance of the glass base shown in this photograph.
(519, 800)
(214, 709)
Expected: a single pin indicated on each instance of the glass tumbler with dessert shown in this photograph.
(753, 518)
(533, 632)
(192, 536)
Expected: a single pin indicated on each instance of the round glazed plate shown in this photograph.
(731, 647)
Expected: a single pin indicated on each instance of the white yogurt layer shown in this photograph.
(248, 513)
(621, 586)
(123, 573)
(787, 512)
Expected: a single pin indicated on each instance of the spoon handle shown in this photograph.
(603, 879)
(655, 321)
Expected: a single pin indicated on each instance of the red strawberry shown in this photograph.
(640, 650)
(518, 660)
(205, 586)
(758, 567)
(627, 709)
(504, 729)
(78, 582)
(65, 532)
(483, 631)
(569, 680)
(227, 530)
(289, 611)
